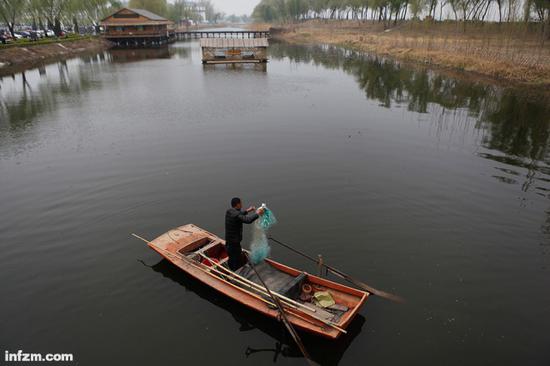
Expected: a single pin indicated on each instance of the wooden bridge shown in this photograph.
(197, 34)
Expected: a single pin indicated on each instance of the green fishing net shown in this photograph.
(259, 248)
(267, 220)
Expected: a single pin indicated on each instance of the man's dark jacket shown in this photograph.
(234, 220)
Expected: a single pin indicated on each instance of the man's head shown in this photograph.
(236, 203)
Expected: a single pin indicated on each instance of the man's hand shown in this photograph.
(250, 209)
(260, 211)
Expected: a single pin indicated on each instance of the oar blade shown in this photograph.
(385, 295)
(365, 287)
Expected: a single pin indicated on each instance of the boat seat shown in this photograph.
(293, 288)
(276, 281)
(206, 247)
(203, 249)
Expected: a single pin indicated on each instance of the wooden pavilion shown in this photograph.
(137, 28)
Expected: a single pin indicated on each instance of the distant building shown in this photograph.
(137, 28)
(198, 9)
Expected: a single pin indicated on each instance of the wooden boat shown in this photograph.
(203, 255)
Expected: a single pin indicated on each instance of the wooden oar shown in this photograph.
(294, 310)
(287, 324)
(360, 284)
(285, 300)
(207, 270)
(233, 273)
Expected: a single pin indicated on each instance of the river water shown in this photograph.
(429, 186)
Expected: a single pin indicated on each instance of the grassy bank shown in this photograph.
(25, 42)
(507, 52)
(26, 54)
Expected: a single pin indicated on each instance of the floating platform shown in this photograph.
(233, 50)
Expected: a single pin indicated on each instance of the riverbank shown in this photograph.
(20, 58)
(505, 53)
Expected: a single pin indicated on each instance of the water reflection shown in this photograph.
(260, 67)
(121, 55)
(26, 96)
(32, 93)
(519, 128)
(325, 352)
(515, 127)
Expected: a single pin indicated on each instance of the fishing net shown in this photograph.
(267, 220)
(259, 249)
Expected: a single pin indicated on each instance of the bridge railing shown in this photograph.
(196, 34)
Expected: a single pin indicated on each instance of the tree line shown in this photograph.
(56, 14)
(52, 14)
(396, 10)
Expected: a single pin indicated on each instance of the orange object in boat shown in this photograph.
(208, 262)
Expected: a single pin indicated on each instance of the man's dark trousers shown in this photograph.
(234, 251)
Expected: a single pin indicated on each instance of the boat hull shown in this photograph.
(175, 242)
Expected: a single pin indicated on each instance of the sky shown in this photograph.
(235, 6)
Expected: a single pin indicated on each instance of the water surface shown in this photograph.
(429, 186)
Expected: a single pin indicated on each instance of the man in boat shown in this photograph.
(235, 217)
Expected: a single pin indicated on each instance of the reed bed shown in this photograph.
(510, 52)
